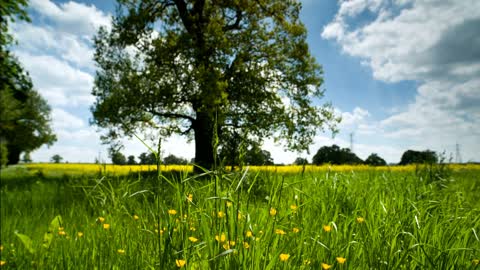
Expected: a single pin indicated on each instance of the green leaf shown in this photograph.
(55, 223)
(27, 242)
(48, 236)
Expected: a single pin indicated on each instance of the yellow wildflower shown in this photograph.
(106, 226)
(327, 228)
(246, 245)
(249, 234)
(60, 228)
(273, 211)
(190, 197)
(220, 214)
(172, 212)
(1, 247)
(326, 266)
(280, 231)
(101, 219)
(341, 260)
(180, 263)
(239, 215)
(192, 228)
(295, 230)
(192, 239)
(284, 257)
(229, 203)
(232, 243)
(80, 234)
(62, 233)
(360, 219)
(307, 262)
(2, 263)
(293, 207)
(222, 238)
(135, 217)
(121, 251)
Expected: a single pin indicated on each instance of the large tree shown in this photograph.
(24, 114)
(209, 67)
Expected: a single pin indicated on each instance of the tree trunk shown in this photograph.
(13, 155)
(204, 153)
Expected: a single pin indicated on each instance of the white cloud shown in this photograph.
(65, 120)
(59, 82)
(435, 43)
(45, 40)
(72, 17)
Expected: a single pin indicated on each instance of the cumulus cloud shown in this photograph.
(72, 17)
(437, 44)
(60, 83)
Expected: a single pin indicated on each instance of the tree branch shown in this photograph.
(184, 15)
(173, 115)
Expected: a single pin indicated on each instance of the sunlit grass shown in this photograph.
(328, 219)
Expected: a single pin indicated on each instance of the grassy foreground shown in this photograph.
(428, 218)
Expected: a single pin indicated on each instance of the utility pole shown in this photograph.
(458, 156)
(351, 142)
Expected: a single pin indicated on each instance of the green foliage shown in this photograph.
(131, 160)
(335, 155)
(375, 160)
(225, 65)
(418, 157)
(3, 154)
(24, 114)
(26, 241)
(26, 158)
(147, 158)
(10, 11)
(118, 158)
(300, 161)
(56, 158)
(172, 159)
(229, 153)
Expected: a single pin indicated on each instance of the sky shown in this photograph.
(402, 74)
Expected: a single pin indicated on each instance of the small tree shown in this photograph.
(375, 160)
(56, 158)
(131, 160)
(416, 157)
(300, 161)
(118, 158)
(174, 160)
(147, 158)
(26, 158)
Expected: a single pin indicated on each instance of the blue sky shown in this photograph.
(403, 74)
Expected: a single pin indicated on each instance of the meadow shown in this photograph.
(86, 216)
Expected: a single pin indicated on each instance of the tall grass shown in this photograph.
(356, 219)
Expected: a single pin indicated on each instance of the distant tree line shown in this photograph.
(336, 155)
(254, 155)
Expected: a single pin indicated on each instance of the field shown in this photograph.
(79, 216)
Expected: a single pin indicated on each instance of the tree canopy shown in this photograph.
(375, 160)
(209, 68)
(335, 155)
(56, 158)
(412, 156)
(24, 114)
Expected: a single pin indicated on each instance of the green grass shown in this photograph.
(411, 221)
